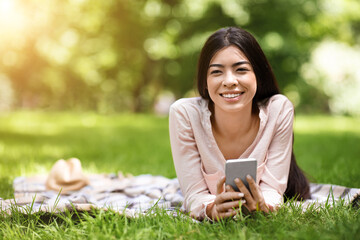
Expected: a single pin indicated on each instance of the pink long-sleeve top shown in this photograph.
(199, 163)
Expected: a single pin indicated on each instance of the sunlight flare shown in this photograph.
(12, 18)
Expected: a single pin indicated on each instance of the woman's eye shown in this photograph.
(215, 72)
(242, 70)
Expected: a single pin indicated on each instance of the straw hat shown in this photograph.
(66, 176)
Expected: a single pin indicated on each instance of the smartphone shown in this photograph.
(240, 168)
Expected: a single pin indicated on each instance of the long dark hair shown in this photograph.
(298, 185)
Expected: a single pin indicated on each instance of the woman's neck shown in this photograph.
(233, 124)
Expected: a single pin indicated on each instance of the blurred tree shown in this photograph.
(278, 33)
(118, 55)
(288, 32)
(333, 67)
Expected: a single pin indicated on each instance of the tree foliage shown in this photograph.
(119, 55)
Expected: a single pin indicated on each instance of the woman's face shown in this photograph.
(231, 81)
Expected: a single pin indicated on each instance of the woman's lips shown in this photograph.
(231, 95)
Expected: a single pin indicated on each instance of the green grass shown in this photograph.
(327, 148)
(30, 143)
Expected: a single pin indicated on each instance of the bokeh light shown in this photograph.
(111, 56)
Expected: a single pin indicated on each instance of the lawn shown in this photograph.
(327, 148)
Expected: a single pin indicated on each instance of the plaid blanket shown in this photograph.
(132, 195)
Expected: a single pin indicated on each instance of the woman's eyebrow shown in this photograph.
(241, 63)
(215, 65)
(234, 65)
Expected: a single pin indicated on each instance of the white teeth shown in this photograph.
(231, 95)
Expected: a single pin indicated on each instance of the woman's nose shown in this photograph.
(230, 80)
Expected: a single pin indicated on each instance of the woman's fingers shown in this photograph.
(226, 203)
(256, 193)
(229, 188)
(228, 197)
(220, 185)
(226, 209)
(254, 198)
(253, 187)
(247, 195)
(227, 214)
(228, 206)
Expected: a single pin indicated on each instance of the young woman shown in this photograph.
(240, 114)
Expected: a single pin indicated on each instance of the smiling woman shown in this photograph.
(231, 84)
(240, 114)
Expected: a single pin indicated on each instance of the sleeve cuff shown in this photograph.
(201, 215)
(273, 199)
(204, 210)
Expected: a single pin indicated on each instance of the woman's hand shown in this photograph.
(225, 203)
(254, 199)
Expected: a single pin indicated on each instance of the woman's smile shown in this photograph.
(231, 96)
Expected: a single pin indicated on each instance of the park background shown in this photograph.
(126, 56)
(93, 79)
